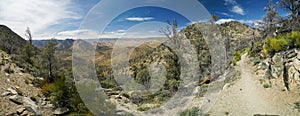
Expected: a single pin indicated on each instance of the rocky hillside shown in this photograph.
(10, 42)
(162, 55)
(19, 96)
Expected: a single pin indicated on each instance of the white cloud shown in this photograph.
(228, 2)
(254, 23)
(139, 18)
(39, 15)
(226, 14)
(221, 21)
(238, 10)
(78, 34)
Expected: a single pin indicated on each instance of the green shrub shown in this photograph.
(277, 44)
(256, 60)
(234, 63)
(266, 85)
(143, 108)
(295, 37)
(143, 77)
(237, 56)
(190, 112)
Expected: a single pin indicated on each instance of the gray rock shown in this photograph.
(34, 109)
(28, 101)
(14, 92)
(292, 55)
(16, 99)
(60, 111)
(5, 93)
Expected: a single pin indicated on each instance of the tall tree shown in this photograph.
(293, 6)
(28, 35)
(49, 60)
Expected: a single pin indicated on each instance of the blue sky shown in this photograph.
(90, 19)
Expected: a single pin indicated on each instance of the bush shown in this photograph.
(143, 108)
(277, 44)
(295, 37)
(237, 56)
(256, 60)
(266, 85)
(190, 112)
(143, 77)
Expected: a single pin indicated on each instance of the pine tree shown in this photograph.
(49, 60)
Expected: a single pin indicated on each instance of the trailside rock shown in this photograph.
(61, 111)
(34, 109)
(5, 93)
(20, 110)
(16, 99)
(14, 92)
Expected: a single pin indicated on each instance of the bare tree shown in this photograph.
(271, 19)
(28, 35)
(171, 31)
(293, 6)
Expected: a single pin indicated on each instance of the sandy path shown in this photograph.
(247, 97)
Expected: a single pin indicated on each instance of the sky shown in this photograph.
(92, 19)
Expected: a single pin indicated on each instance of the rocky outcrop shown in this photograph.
(286, 66)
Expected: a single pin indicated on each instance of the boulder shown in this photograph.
(16, 99)
(61, 111)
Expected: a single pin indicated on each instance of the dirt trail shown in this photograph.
(247, 96)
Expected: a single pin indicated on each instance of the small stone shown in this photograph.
(60, 111)
(14, 92)
(25, 113)
(226, 86)
(5, 93)
(20, 110)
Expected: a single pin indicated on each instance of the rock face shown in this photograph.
(285, 65)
